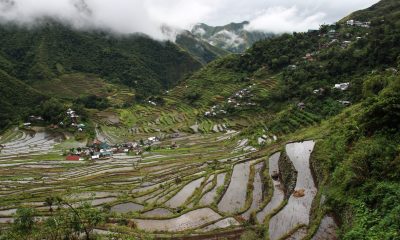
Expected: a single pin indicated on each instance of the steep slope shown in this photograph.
(51, 49)
(357, 163)
(381, 10)
(232, 37)
(16, 99)
(199, 49)
(356, 160)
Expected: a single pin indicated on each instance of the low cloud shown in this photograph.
(281, 20)
(152, 16)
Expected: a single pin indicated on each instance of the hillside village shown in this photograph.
(296, 138)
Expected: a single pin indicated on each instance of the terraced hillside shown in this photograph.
(298, 138)
(211, 184)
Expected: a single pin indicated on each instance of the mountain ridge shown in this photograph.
(232, 37)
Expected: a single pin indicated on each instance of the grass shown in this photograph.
(75, 85)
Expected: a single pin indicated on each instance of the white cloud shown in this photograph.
(148, 16)
(229, 38)
(281, 19)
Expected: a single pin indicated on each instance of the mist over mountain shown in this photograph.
(149, 16)
(232, 37)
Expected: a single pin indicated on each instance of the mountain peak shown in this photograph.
(232, 37)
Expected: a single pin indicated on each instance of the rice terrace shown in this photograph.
(182, 183)
(199, 120)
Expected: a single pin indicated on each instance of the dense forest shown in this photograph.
(50, 49)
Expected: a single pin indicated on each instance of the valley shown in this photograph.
(220, 134)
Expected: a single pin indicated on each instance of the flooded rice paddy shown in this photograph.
(165, 190)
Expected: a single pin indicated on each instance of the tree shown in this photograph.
(84, 218)
(49, 201)
(24, 223)
(52, 110)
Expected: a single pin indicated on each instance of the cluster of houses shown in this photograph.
(238, 99)
(320, 91)
(74, 118)
(97, 150)
(358, 23)
(101, 150)
(32, 119)
(73, 121)
(214, 111)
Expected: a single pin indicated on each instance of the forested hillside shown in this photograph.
(16, 99)
(49, 50)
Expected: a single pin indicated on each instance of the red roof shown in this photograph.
(72, 158)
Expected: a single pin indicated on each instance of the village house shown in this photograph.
(301, 105)
(332, 33)
(347, 43)
(358, 23)
(309, 57)
(33, 118)
(319, 91)
(152, 103)
(73, 158)
(393, 70)
(342, 86)
(345, 103)
(292, 67)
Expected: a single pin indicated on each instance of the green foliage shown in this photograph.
(24, 221)
(377, 223)
(52, 110)
(133, 60)
(249, 235)
(276, 53)
(16, 99)
(361, 167)
(65, 222)
(93, 102)
(382, 112)
(50, 49)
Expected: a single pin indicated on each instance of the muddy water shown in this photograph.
(297, 211)
(208, 198)
(8, 212)
(327, 230)
(257, 191)
(100, 201)
(32, 142)
(235, 196)
(6, 220)
(190, 220)
(158, 212)
(184, 193)
(224, 223)
(127, 207)
(278, 194)
(87, 195)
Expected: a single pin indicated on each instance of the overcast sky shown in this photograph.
(147, 16)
